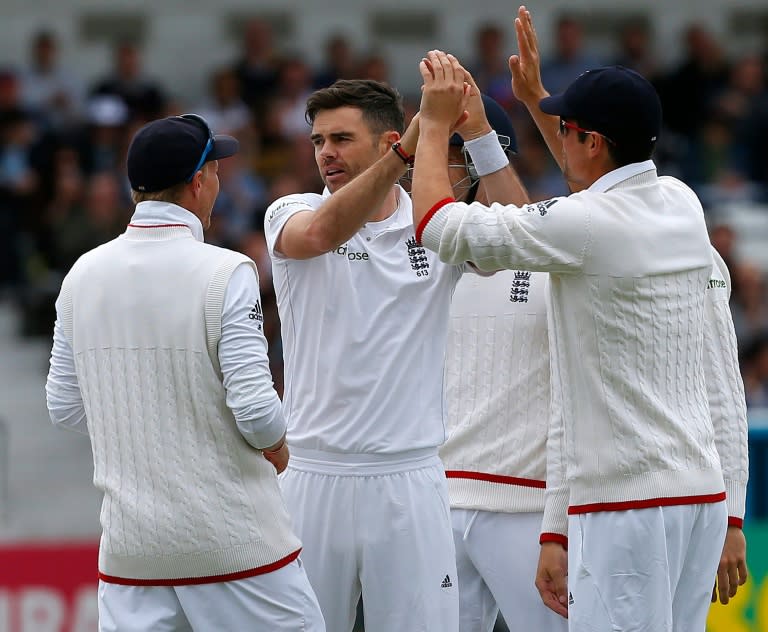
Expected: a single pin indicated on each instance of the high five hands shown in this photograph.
(445, 93)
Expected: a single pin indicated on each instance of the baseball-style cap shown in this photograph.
(169, 151)
(500, 123)
(615, 101)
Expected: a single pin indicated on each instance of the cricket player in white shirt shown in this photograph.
(364, 380)
(632, 456)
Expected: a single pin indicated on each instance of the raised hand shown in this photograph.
(444, 93)
(526, 65)
(477, 123)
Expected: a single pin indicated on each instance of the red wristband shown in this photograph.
(405, 157)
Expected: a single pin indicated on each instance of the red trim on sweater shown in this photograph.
(645, 504)
(425, 220)
(158, 226)
(496, 478)
(210, 579)
(554, 537)
(733, 521)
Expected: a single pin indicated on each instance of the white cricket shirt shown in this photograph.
(364, 330)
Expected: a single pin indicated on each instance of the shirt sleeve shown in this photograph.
(550, 236)
(725, 390)
(62, 390)
(554, 525)
(244, 363)
(280, 211)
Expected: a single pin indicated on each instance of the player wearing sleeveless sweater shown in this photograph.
(159, 356)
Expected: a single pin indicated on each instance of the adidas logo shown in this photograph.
(256, 313)
(446, 582)
(570, 598)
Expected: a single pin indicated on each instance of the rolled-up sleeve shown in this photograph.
(244, 362)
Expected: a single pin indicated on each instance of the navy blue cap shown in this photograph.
(500, 123)
(168, 151)
(614, 101)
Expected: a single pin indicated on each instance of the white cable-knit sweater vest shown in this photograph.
(497, 391)
(185, 497)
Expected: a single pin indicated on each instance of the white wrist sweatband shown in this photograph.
(487, 154)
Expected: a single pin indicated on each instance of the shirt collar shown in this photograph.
(153, 213)
(612, 178)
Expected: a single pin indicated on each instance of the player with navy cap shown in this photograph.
(159, 356)
(632, 456)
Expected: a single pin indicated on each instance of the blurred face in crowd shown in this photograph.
(345, 145)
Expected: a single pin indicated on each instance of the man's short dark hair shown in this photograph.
(380, 104)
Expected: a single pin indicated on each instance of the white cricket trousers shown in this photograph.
(279, 600)
(496, 558)
(376, 525)
(644, 570)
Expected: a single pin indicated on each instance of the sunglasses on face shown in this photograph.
(566, 125)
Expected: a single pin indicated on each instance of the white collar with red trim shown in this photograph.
(152, 213)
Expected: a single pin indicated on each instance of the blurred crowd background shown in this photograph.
(63, 139)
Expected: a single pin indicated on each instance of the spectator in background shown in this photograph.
(688, 91)
(538, 171)
(241, 194)
(294, 85)
(339, 62)
(723, 239)
(635, 50)
(489, 64)
(257, 67)
(749, 302)
(102, 138)
(223, 107)
(50, 91)
(375, 66)
(82, 223)
(754, 365)
(143, 96)
(570, 57)
(18, 186)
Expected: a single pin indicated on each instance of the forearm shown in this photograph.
(262, 426)
(548, 127)
(245, 365)
(431, 181)
(63, 396)
(505, 187)
(344, 213)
